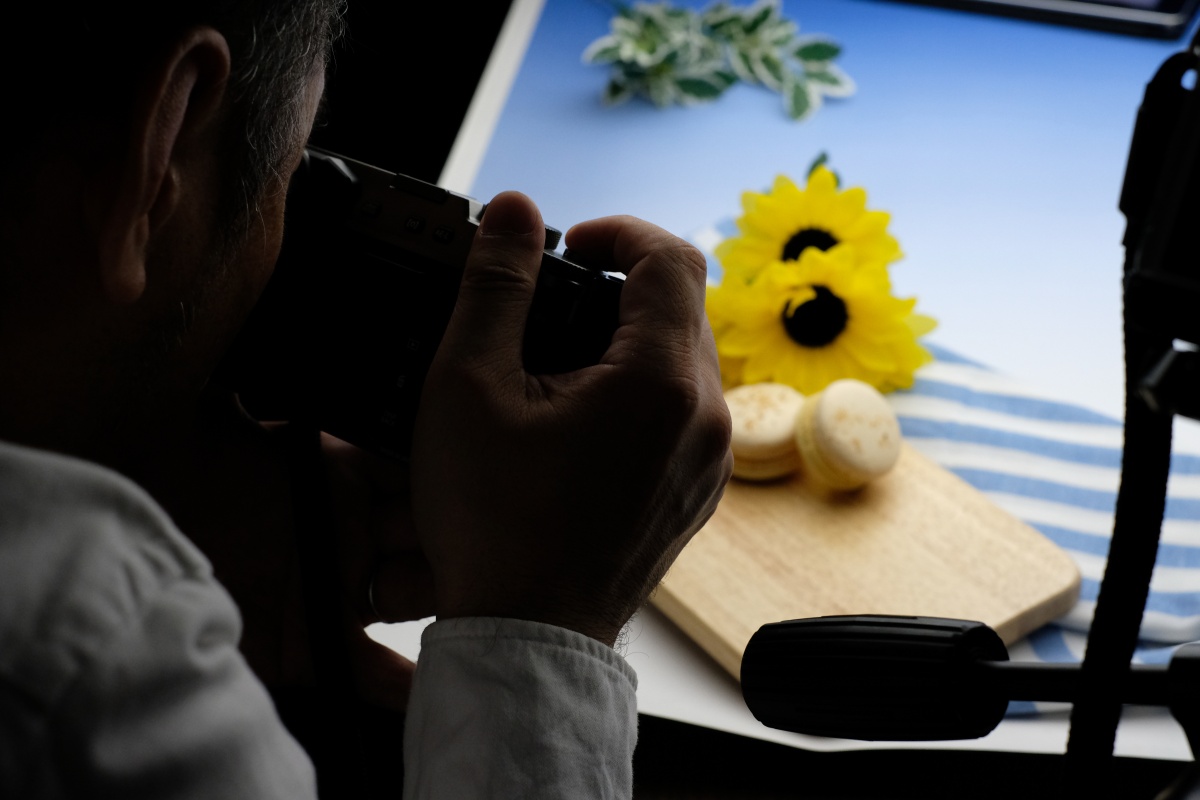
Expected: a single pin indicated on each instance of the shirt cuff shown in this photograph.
(506, 707)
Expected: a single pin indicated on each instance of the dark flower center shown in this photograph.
(817, 322)
(809, 237)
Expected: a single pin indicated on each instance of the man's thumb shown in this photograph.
(498, 282)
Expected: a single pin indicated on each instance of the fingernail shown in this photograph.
(508, 216)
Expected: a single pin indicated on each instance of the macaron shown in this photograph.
(764, 430)
(847, 435)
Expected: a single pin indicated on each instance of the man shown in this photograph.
(137, 227)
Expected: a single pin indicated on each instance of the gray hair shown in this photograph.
(273, 57)
(80, 62)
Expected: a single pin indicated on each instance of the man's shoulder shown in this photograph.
(83, 552)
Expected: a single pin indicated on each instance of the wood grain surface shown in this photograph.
(919, 541)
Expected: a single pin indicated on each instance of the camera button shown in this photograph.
(369, 210)
(414, 225)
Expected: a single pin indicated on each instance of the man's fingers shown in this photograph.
(488, 324)
(626, 242)
(664, 288)
(384, 677)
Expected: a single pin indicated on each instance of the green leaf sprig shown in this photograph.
(671, 55)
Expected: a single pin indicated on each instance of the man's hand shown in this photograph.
(565, 498)
(227, 481)
(384, 575)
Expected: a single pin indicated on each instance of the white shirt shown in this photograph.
(120, 674)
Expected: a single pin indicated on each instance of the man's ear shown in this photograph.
(179, 102)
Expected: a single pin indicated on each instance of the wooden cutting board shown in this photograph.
(919, 541)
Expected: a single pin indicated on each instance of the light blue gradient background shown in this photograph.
(998, 146)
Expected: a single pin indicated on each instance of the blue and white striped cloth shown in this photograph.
(1057, 467)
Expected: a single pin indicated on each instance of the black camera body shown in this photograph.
(367, 278)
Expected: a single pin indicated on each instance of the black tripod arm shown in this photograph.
(896, 678)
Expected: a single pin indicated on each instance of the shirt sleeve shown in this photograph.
(120, 674)
(510, 708)
(173, 711)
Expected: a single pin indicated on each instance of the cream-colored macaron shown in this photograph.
(764, 430)
(847, 435)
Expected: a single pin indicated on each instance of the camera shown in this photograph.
(346, 328)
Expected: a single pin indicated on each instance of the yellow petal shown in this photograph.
(921, 324)
(822, 183)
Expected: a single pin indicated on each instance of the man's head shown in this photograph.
(81, 63)
(141, 212)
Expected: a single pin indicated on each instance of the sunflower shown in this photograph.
(787, 221)
(715, 303)
(814, 320)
